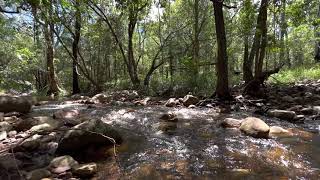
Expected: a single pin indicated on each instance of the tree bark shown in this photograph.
(196, 41)
(53, 88)
(317, 45)
(75, 49)
(222, 88)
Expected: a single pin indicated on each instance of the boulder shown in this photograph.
(230, 123)
(255, 127)
(38, 174)
(90, 133)
(15, 104)
(288, 98)
(85, 170)
(282, 114)
(62, 164)
(278, 131)
(30, 144)
(190, 100)
(172, 102)
(44, 124)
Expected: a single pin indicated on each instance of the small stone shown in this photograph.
(3, 135)
(85, 170)
(66, 114)
(12, 134)
(62, 164)
(29, 144)
(38, 174)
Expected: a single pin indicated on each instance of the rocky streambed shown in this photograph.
(191, 139)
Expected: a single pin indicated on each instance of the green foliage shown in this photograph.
(293, 75)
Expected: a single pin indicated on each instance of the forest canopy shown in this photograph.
(199, 46)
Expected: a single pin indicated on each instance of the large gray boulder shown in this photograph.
(90, 133)
(255, 127)
(15, 104)
(190, 100)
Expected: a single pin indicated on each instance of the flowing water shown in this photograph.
(197, 148)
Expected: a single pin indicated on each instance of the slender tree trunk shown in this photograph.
(132, 65)
(196, 42)
(48, 34)
(75, 49)
(317, 45)
(222, 89)
(247, 66)
(283, 26)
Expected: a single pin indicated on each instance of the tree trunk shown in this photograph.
(196, 42)
(132, 65)
(53, 88)
(317, 46)
(264, 39)
(222, 89)
(247, 66)
(75, 49)
(283, 32)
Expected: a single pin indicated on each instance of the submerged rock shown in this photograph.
(66, 114)
(279, 131)
(169, 117)
(255, 127)
(230, 123)
(89, 133)
(282, 114)
(15, 104)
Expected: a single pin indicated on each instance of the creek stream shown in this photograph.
(195, 147)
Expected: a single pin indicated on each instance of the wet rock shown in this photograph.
(288, 98)
(24, 124)
(62, 164)
(15, 104)
(5, 126)
(79, 97)
(46, 127)
(255, 127)
(317, 109)
(38, 174)
(279, 131)
(172, 102)
(29, 144)
(85, 170)
(9, 162)
(168, 127)
(3, 135)
(190, 100)
(170, 117)
(307, 111)
(282, 114)
(230, 123)
(90, 133)
(295, 108)
(1, 116)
